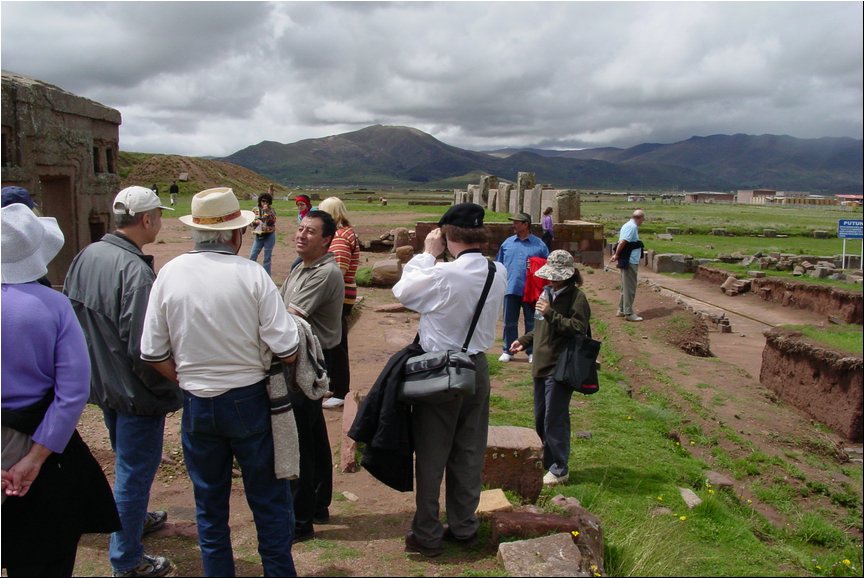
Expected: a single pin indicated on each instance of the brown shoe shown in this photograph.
(414, 545)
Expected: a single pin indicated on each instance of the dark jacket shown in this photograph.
(624, 255)
(109, 285)
(383, 424)
(570, 315)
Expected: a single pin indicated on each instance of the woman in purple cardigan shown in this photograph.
(53, 489)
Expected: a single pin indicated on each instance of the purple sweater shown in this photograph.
(43, 348)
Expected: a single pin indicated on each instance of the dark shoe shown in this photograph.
(449, 536)
(153, 566)
(413, 545)
(322, 517)
(155, 521)
(303, 535)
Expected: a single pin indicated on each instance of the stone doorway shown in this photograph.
(58, 201)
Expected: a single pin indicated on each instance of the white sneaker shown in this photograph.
(619, 313)
(505, 357)
(333, 403)
(551, 479)
(633, 317)
(530, 358)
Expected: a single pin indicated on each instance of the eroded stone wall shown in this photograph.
(64, 149)
(824, 383)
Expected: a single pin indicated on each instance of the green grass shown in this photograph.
(709, 246)
(737, 219)
(844, 337)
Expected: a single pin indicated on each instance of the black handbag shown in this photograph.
(577, 364)
(441, 376)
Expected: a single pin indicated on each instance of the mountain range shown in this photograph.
(404, 156)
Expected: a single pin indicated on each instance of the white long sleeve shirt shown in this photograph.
(446, 295)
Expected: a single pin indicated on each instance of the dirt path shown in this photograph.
(365, 536)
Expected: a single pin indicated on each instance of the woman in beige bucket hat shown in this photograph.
(567, 314)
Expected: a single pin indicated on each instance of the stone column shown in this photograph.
(503, 200)
(531, 203)
(566, 206)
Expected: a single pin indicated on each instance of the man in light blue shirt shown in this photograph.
(629, 244)
(514, 254)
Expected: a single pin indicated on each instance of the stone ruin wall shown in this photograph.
(824, 383)
(63, 149)
(847, 306)
(583, 239)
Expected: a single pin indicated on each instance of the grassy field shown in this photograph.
(702, 218)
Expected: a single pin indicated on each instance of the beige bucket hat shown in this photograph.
(559, 266)
(217, 210)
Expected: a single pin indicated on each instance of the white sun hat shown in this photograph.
(29, 243)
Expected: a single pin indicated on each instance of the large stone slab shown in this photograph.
(514, 461)
(555, 555)
(673, 263)
(531, 203)
(502, 204)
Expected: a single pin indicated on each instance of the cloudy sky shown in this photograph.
(210, 78)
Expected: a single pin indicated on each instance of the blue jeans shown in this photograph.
(266, 242)
(512, 306)
(137, 444)
(552, 423)
(215, 431)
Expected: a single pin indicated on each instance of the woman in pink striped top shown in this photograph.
(346, 248)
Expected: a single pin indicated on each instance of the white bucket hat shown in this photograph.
(29, 243)
(217, 210)
(559, 266)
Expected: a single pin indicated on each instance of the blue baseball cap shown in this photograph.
(12, 195)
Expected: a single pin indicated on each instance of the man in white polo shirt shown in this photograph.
(213, 320)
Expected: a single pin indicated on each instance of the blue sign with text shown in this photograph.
(850, 229)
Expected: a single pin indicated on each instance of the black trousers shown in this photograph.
(338, 366)
(313, 490)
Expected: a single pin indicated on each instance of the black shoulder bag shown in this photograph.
(441, 376)
(577, 364)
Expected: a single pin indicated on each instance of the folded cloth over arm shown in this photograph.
(307, 374)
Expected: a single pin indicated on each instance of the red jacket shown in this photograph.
(533, 284)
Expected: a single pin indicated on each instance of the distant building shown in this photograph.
(850, 200)
(709, 197)
(63, 148)
(802, 198)
(755, 196)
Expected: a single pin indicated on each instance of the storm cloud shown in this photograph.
(209, 78)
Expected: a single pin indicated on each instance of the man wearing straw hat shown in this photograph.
(109, 283)
(213, 320)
